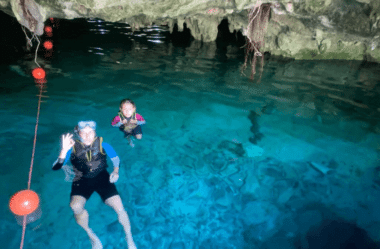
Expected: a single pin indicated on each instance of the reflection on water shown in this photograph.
(320, 85)
(225, 162)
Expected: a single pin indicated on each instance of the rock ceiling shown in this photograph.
(300, 29)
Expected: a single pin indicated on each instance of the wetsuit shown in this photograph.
(129, 129)
(90, 163)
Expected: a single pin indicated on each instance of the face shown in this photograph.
(87, 134)
(127, 109)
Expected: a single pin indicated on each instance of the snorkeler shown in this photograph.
(88, 155)
(129, 121)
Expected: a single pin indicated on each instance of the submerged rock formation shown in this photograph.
(310, 29)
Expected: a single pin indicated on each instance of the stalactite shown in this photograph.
(258, 20)
(28, 14)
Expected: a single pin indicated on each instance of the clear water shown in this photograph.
(291, 161)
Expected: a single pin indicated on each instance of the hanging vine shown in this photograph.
(258, 18)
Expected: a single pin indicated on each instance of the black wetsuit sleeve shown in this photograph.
(58, 164)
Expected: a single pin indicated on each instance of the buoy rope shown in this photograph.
(23, 231)
(35, 136)
(35, 139)
(35, 57)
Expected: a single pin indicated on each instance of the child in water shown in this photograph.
(129, 121)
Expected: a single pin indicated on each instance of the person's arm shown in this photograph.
(116, 122)
(112, 154)
(140, 119)
(116, 164)
(67, 143)
(115, 161)
(63, 158)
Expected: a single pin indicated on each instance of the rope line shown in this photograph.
(35, 58)
(35, 134)
(23, 231)
(32, 160)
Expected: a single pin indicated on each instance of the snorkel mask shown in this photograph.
(83, 124)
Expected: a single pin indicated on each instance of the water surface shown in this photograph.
(225, 162)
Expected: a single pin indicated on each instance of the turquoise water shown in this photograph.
(291, 161)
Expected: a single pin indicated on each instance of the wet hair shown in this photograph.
(76, 133)
(124, 101)
(76, 130)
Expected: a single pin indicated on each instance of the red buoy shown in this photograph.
(24, 202)
(48, 29)
(48, 45)
(39, 75)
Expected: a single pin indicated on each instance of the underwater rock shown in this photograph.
(274, 242)
(188, 207)
(251, 184)
(217, 161)
(222, 198)
(333, 234)
(156, 178)
(259, 233)
(322, 162)
(376, 176)
(143, 206)
(273, 171)
(289, 226)
(198, 189)
(177, 245)
(270, 162)
(113, 227)
(177, 185)
(158, 242)
(373, 231)
(235, 148)
(238, 179)
(253, 150)
(189, 228)
(231, 168)
(224, 201)
(309, 219)
(257, 212)
(285, 196)
(320, 167)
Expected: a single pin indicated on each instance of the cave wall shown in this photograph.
(307, 29)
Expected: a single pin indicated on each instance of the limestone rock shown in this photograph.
(311, 29)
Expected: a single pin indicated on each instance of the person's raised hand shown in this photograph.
(67, 141)
(114, 177)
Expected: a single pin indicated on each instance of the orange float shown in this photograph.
(25, 205)
(48, 29)
(39, 75)
(48, 45)
(24, 202)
